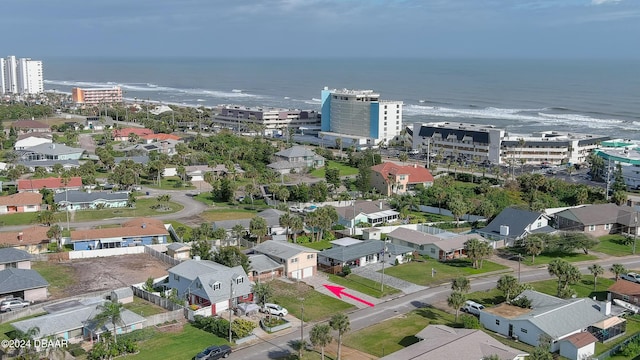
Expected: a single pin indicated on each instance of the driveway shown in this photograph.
(320, 279)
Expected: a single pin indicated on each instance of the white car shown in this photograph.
(472, 307)
(9, 305)
(274, 309)
(631, 277)
(295, 209)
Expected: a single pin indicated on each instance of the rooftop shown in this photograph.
(26, 198)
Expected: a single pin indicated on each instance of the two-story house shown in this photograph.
(296, 159)
(513, 224)
(390, 178)
(299, 262)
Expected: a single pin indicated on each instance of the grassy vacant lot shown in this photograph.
(59, 277)
(317, 306)
(547, 256)
(143, 307)
(169, 183)
(18, 219)
(228, 214)
(363, 285)
(345, 170)
(420, 272)
(613, 245)
(181, 345)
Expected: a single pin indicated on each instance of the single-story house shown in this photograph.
(136, 232)
(271, 216)
(123, 134)
(142, 159)
(436, 243)
(49, 165)
(164, 147)
(355, 253)
(627, 291)
(51, 183)
(30, 126)
(444, 342)
(208, 284)
(33, 240)
(390, 178)
(179, 251)
(555, 317)
(82, 200)
(75, 324)
(598, 219)
(367, 212)
(296, 159)
(25, 283)
(32, 139)
(264, 268)
(14, 259)
(98, 122)
(122, 295)
(160, 137)
(50, 151)
(20, 203)
(299, 262)
(513, 224)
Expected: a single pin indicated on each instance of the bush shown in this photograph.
(630, 349)
(303, 239)
(242, 328)
(346, 270)
(470, 322)
(214, 325)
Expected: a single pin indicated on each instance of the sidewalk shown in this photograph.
(320, 279)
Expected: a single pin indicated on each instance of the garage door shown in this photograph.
(222, 306)
(296, 274)
(307, 272)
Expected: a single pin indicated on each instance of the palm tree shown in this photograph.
(285, 221)
(321, 336)
(508, 284)
(618, 269)
(461, 284)
(111, 312)
(258, 227)
(28, 352)
(596, 270)
(455, 300)
(534, 245)
(297, 225)
(237, 230)
(46, 217)
(55, 232)
(340, 323)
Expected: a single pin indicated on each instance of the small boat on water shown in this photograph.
(626, 305)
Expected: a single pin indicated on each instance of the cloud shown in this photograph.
(602, 2)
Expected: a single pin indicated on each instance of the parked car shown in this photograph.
(472, 307)
(631, 277)
(274, 309)
(10, 305)
(295, 209)
(214, 352)
(310, 209)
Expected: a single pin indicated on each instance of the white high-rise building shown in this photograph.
(21, 76)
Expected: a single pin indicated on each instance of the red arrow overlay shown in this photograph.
(339, 291)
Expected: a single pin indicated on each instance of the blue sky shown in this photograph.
(323, 28)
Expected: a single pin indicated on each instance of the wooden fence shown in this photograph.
(161, 256)
(156, 299)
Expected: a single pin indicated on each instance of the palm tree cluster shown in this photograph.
(321, 220)
(477, 251)
(567, 275)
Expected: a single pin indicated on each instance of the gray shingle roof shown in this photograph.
(295, 151)
(123, 292)
(262, 263)
(177, 246)
(142, 159)
(364, 207)
(364, 248)
(592, 214)
(10, 255)
(281, 250)
(53, 149)
(516, 219)
(14, 280)
(46, 163)
(75, 196)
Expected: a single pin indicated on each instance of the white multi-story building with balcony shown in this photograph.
(21, 76)
(269, 120)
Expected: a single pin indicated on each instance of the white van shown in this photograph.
(414, 152)
(472, 307)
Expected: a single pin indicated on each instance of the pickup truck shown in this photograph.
(631, 277)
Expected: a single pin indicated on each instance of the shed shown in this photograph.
(123, 295)
(578, 346)
(372, 233)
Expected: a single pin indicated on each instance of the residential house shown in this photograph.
(436, 243)
(82, 200)
(136, 232)
(49, 165)
(264, 268)
(367, 212)
(123, 134)
(98, 123)
(296, 159)
(355, 253)
(626, 291)
(51, 183)
(143, 159)
(32, 139)
(555, 317)
(24, 283)
(390, 178)
(271, 216)
(179, 251)
(20, 203)
(151, 138)
(30, 126)
(444, 342)
(14, 258)
(33, 240)
(76, 323)
(163, 147)
(50, 151)
(205, 283)
(513, 224)
(299, 262)
(599, 219)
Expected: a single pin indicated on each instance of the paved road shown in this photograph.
(280, 346)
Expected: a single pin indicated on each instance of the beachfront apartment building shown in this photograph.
(627, 156)
(271, 121)
(96, 96)
(487, 143)
(21, 76)
(359, 118)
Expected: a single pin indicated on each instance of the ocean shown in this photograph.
(522, 96)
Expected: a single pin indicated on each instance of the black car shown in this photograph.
(214, 352)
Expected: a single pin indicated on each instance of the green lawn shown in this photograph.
(345, 170)
(613, 245)
(182, 345)
(228, 214)
(546, 257)
(168, 183)
(205, 197)
(363, 285)
(420, 272)
(188, 230)
(317, 306)
(58, 276)
(18, 219)
(318, 245)
(143, 307)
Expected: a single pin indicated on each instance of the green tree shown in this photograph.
(231, 256)
(46, 217)
(297, 225)
(238, 231)
(148, 284)
(534, 245)
(201, 248)
(617, 270)
(262, 292)
(458, 207)
(567, 274)
(596, 270)
(111, 311)
(285, 221)
(363, 179)
(508, 285)
(455, 301)
(461, 284)
(473, 250)
(340, 322)
(258, 227)
(320, 336)
(55, 232)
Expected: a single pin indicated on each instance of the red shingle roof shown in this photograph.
(135, 227)
(126, 131)
(49, 183)
(624, 287)
(27, 198)
(29, 236)
(161, 137)
(29, 124)
(417, 174)
(581, 339)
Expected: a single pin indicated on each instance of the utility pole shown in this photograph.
(230, 306)
(635, 232)
(384, 251)
(301, 328)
